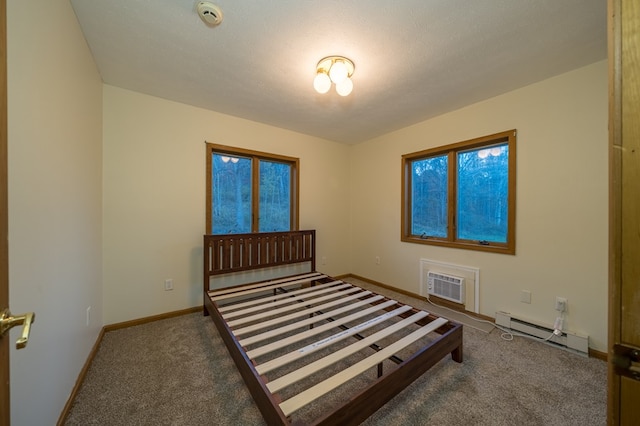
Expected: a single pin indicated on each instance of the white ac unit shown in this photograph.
(446, 286)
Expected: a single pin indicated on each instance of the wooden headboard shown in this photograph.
(241, 252)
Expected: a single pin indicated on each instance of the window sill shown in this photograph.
(491, 248)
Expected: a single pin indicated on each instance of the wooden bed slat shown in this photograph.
(301, 373)
(346, 289)
(265, 286)
(265, 324)
(303, 398)
(272, 297)
(328, 341)
(316, 318)
(263, 350)
(295, 279)
(268, 302)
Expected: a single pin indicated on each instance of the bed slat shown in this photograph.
(262, 350)
(347, 289)
(269, 302)
(265, 324)
(295, 279)
(263, 287)
(328, 341)
(303, 398)
(279, 296)
(276, 332)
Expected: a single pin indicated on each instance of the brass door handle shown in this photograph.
(7, 321)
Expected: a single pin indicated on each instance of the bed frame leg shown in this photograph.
(456, 354)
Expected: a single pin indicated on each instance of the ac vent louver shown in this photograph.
(446, 286)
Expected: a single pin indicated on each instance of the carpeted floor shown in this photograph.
(178, 372)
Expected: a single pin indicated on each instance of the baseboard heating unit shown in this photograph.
(573, 342)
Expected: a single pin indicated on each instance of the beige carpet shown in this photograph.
(178, 372)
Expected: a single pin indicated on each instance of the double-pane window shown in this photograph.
(462, 195)
(250, 191)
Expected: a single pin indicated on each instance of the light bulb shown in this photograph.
(338, 72)
(344, 87)
(322, 82)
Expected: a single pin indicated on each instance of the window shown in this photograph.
(462, 195)
(249, 191)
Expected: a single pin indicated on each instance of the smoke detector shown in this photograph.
(209, 13)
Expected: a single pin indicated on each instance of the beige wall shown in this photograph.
(561, 227)
(154, 197)
(55, 203)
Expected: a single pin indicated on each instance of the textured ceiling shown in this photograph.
(414, 59)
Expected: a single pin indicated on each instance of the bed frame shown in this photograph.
(236, 312)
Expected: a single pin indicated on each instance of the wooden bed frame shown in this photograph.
(244, 315)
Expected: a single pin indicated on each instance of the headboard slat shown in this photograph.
(241, 252)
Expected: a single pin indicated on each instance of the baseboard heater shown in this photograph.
(573, 342)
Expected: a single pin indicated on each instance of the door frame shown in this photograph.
(5, 402)
(624, 205)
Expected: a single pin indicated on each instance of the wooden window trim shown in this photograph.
(451, 150)
(255, 156)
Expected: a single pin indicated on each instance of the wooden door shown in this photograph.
(624, 276)
(4, 256)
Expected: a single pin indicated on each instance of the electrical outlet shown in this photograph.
(525, 296)
(168, 284)
(561, 304)
(324, 260)
(88, 315)
(377, 260)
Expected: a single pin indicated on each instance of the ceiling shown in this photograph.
(414, 59)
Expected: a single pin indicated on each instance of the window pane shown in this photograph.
(482, 192)
(275, 188)
(429, 197)
(231, 194)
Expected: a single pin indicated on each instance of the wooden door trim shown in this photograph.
(5, 404)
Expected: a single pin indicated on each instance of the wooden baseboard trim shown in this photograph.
(117, 326)
(83, 373)
(598, 355)
(152, 318)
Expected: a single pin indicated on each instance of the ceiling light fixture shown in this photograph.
(337, 70)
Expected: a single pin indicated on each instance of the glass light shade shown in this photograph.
(338, 72)
(322, 83)
(345, 87)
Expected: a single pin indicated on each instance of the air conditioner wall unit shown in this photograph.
(449, 287)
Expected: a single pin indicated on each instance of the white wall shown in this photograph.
(154, 197)
(55, 199)
(561, 222)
